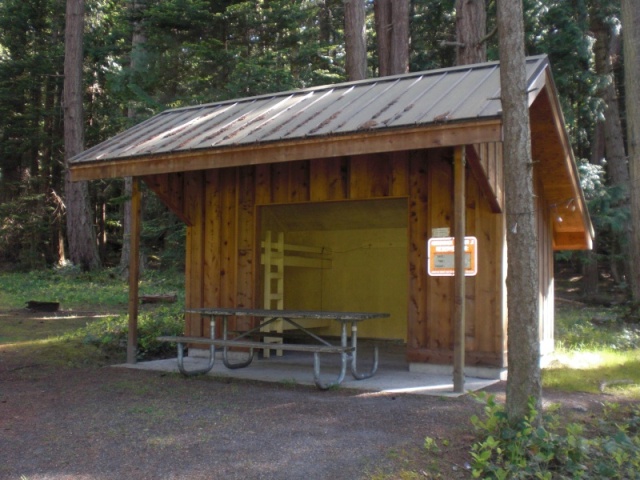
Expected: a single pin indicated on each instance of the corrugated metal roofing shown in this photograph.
(455, 94)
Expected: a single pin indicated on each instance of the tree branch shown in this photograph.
(488, 35)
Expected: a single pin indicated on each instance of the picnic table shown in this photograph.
(254, 339)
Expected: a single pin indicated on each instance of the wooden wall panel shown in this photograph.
(328, 179)
(489, 314)
(245, 243)
(417, 309)
(194, 281)
(223, 270)
(473, 302)
(440, 292)
(228, 248)
(298, 181)
(546, 275)
(399, 171)
(263, 184)
(369, 176)
(280, 173)
(213, 230)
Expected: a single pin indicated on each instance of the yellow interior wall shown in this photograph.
(368, 273)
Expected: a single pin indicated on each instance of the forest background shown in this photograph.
(141, 57)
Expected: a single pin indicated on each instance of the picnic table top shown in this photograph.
(267, 313)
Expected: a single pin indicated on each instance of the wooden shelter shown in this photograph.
(325, 198)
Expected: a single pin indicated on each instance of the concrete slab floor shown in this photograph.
(393, 375)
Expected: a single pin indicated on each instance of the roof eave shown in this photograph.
(364, 142)
(582, 240)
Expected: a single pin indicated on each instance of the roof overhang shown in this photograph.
(392, 140)
(553, 156)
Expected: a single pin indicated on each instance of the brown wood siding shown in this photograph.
(222, 246)
(328, 179)
(418, 318)
(546, 275)
(213, 229)
(194, 282)
(246, 241)
(440, 289)
(430, 312)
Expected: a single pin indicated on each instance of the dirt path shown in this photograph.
(116, 423)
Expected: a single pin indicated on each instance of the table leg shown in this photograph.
(211, 359)
(343, 364)
(225, 349)
(354, 358)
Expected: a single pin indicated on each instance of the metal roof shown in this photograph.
(457, 94)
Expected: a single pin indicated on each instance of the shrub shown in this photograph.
(608, 449)
(110, 334)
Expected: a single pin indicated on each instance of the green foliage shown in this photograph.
(427, 51)
(74, 288)
(561, 30)
(99, 290)
(596, 351)
(553, 450)
(110, 334)
(25, 235)
(67, 285)
(595, 329)
(431, 445)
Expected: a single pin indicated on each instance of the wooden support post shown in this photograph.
(459, 278)
(134, 271)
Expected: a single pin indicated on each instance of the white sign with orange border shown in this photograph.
(441, 256)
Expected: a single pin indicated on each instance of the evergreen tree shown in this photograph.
(524, 381)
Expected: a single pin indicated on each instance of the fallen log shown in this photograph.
(167, 298)
(43, 306)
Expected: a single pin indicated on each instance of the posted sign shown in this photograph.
(441, 256)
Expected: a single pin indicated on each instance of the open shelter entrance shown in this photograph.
(338, 256)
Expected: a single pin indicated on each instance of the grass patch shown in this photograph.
(597, 352)
(21, 328)
(57, 352)
(92, 324)
(75, 289)
(595, 371)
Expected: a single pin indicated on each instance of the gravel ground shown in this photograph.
(114, 423)
(110, 423)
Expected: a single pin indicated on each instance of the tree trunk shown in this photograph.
(80, 232)
(524, 380)
(138, 41)
(392, 31)
(355, 39)
(382, 12)
(631, 40)
(606, 48)
(400, 37)
(471, 28)
(590, 269)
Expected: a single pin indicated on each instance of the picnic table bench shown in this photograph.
(246, 340)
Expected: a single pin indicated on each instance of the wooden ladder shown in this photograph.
(273, 259)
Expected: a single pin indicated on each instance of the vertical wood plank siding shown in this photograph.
(212, 253)
(223, 248)
(546, 217)
(194, 281)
